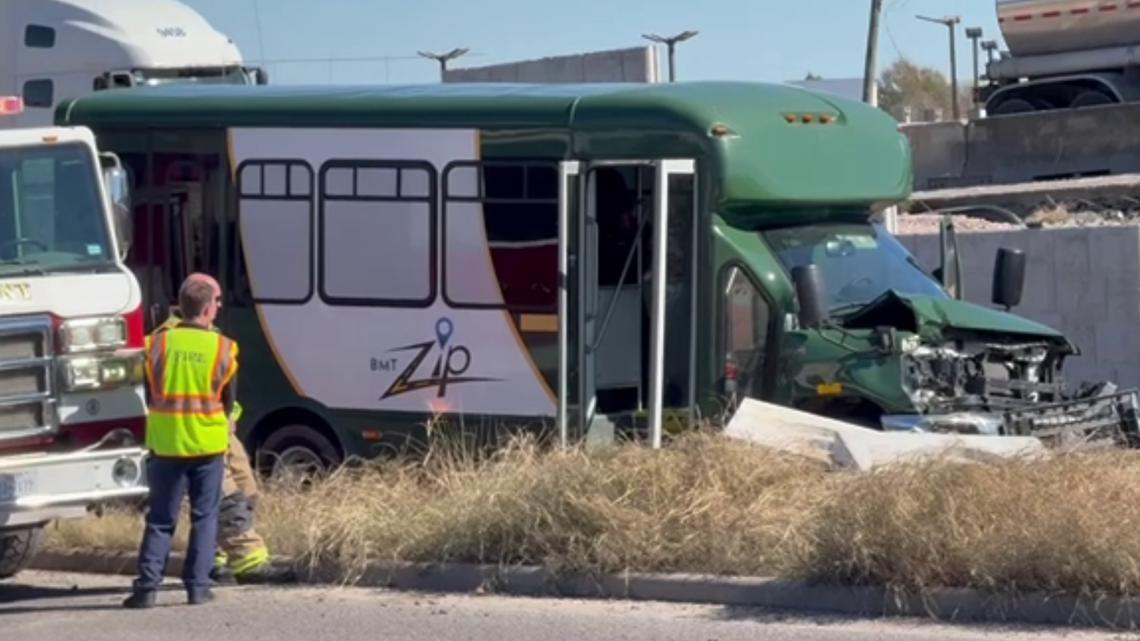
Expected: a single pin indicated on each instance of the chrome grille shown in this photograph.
(26, 374)
(19, 417)
(21, 346)
(26, 381)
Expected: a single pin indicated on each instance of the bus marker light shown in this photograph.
(829, 389)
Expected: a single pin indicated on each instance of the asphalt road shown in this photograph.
(41, 606)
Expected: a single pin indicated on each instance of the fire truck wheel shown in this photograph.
(17, 548)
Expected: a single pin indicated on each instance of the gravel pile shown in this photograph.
(1051, 215)
(922, 224)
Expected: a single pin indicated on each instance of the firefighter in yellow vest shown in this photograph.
(191, 374)
(242, 555)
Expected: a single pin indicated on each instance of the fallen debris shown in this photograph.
(848, 446)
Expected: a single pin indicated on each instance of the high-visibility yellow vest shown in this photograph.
(187, 369)
(171, 322)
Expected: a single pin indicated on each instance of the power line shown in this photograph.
(896, 5)
(257, 22)
(891, 37)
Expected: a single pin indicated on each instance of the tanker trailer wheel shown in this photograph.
(1092, 98)
(17, 549)
(1012, 106)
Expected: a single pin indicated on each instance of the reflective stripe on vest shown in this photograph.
(187, 369)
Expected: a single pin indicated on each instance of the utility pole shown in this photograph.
(671, 43)
(443, 58)
(950, 22)
(870, 84)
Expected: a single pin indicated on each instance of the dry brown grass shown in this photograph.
(1051, 214)
(707, 504)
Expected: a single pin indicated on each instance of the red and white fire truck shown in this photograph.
(72, 404)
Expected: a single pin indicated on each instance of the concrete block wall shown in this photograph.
(637, 65)
(1083, 282)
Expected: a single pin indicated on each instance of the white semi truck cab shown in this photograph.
(51, 50)
(72, 403)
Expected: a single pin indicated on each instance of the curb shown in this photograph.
(950, 605)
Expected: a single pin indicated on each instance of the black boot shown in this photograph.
(222, 575)
(140, 600)
(200, 597)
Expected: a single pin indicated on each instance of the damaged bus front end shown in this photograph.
(878, 341)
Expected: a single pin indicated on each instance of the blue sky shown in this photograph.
(766, 40)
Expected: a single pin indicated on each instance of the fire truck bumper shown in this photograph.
(37, 488)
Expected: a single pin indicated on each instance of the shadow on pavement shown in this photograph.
(17, 598)
(16, 592)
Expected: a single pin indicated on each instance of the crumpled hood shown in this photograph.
(930, 317)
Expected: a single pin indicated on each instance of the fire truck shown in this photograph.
(72, 402)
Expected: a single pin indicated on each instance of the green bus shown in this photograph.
(583, 258)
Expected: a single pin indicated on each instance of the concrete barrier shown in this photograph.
(938, 150)
(1026, 147)
(1084, 282)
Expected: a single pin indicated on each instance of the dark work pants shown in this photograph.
(169, 480)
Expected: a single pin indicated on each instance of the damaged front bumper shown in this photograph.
(1105, 416)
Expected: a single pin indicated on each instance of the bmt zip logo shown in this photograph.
(451, 363)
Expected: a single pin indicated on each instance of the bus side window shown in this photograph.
(500, 229)
(747, 318)
(272, 242)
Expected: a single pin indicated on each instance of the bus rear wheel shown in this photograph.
(297, 455)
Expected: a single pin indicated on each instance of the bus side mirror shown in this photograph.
(261, 76)
(811, 292)
(950, 270)
(1009, 277)
(119, 199)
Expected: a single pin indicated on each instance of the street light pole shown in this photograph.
(443, 58)
(671, 44)
(950, 22)
(991, 47)
(975, 34)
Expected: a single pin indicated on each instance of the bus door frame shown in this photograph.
(577, 209)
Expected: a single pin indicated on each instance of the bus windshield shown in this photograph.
(51, 212)
(859, 262)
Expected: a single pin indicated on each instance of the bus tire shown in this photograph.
(17, 549)
(300, 448)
